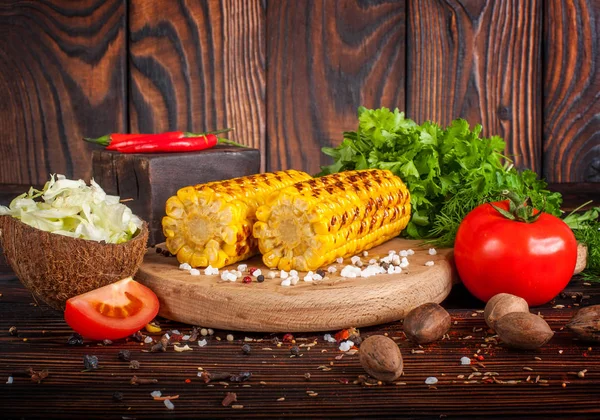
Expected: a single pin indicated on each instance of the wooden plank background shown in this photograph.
(289, 75)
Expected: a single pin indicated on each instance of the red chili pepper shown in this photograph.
(188, 144)
(124, 142)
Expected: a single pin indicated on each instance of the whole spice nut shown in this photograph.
(134, 364)
(427, 323)
(295, 350)
(523, 330)
(380, 357)
(586, 323)
(502, 304)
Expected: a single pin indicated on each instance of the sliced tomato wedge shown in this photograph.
(112, 312)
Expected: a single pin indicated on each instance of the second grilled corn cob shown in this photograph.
(310, 224)
(211, 224)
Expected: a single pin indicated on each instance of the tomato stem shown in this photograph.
(518, 208)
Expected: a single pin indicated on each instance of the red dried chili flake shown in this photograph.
(480, 357)
(342, 335)
(585, 354)
(287, 338)
(188, 381)
(251, 270)
(247, 279)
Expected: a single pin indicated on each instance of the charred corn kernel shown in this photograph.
(211, 224)
(311, 223)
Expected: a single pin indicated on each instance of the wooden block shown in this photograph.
(150, 179)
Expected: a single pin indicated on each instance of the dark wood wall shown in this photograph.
(290, 74)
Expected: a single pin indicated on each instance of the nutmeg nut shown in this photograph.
(380, 357)
(427, 323)
(523, 330)
(502, 304)
(586, 323)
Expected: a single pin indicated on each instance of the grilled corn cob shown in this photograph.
(311, 223)
(211, 224)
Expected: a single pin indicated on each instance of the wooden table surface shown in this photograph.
(528, 384)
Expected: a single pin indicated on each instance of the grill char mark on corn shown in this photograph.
(211, 224)
(312, 223)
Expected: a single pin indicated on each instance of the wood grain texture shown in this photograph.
(326, 58)
(571, 124)
(62, 75)
(479, 60)
(198, 66)
(69, 393)
(334, 303)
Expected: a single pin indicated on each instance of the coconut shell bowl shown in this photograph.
(56, 267)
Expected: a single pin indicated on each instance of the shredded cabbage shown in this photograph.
(74, 209)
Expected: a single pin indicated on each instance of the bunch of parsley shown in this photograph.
(448, 171)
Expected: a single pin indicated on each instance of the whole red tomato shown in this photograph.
(496, 255)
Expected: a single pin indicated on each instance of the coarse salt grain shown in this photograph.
(332, 269)
(397, 269)
(410, 252)
(429, 263)
(365, 253)
(355, 259)
(169, 405)
(272, 274)
(308, 278)
(294, 280)
(391, 252)
(372, 261)
(283, 274)
(346, 345)
(294, 273)
(185, 337)
(175, 332)
(257, 272)
(339, 260)
(286, 282)
(317, 277)
(390, 269)
(211, 271)
(202, 343)
(242, 267)
(465, 361)
(148, 339)
(403, 253)
(185, 266)
(329, 338)
(350, 271)
(432, 251)
(387, 259)
(155, 394)
(396, 259)
(194, 272)
(9, 380)
(432, 380)
(224, 275)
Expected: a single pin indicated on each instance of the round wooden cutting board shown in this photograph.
(331, 304)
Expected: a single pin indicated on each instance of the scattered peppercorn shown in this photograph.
(90, 362)
(260, 278)
(251, 270)
(138, 336)
(242, 377)
(13, 331)
(247, 279)
(124, 355)
(158, 250)
(75, 340)
(134, 364)
(246, 349)
(321, 272)
(295, 350)
(117, 396)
